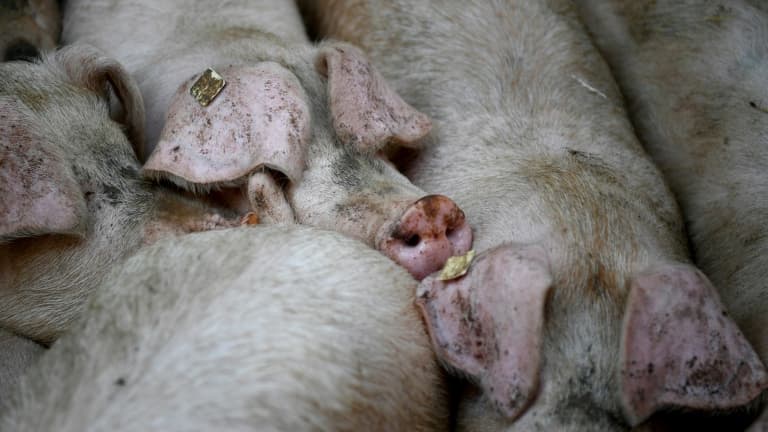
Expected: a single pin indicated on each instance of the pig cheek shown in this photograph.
(318, 203)
(363, 216)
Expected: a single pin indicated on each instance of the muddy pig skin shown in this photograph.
(296, 127)
(72, 202)
(694, 75)
(583, 312)
(266, 328)
(28, 27)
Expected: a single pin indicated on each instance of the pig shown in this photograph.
(72, 202)
(694, 75)
(583, 311)
(265, 328)
(16, 354)
(293, 133)
(28, 27)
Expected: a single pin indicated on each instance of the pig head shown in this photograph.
(72, 202)
(503, 326)
(29, 26)
(299, 139)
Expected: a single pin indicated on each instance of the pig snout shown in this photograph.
(429, 231)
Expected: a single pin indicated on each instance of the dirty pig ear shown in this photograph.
(680, 348)
(259, 118)
(38, 191)
(367, 113)
(488, 324)
(89, 68)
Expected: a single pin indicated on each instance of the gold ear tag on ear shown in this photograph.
(456, 266)
(207, 87)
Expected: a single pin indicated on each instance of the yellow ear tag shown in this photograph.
(207, 87)
(456, 266)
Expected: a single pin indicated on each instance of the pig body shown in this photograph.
(29, 26)
(267, 328)
(532, 140)
(17, 354)
(295, 127)
(694, 76)
(72, 203)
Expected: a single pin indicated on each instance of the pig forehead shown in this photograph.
(270, 79)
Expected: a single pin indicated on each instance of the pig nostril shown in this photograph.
(413, 240)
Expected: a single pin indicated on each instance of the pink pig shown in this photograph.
(192, 334)
(583, 311)
(72, 203)
(293, 133)
(695, 74)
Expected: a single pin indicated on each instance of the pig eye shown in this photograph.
(21, 50)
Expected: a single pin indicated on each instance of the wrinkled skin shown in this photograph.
(59, 111)
(29, 27)
(531, 139)
(193, 334)
(340, 185)
(694, 75)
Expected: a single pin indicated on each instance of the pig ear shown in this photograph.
(260, 118)
(488, 324)
(267, 198)
(38, 192)
(680, 348)
(88, 67)
(366, 112)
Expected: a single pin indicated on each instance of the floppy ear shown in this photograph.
(367, 113)
(680, 348)
(260, 118)
(89, 68)
(488, 324)
(267, 199)
(38, 191)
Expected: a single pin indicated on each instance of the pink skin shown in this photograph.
(429, 232)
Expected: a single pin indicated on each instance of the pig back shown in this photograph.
(275, 328)
(694, 76)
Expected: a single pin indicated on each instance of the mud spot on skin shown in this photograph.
(580, 409)
(638, 14)
(758, 107)
(114, 195)
(346, 171)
